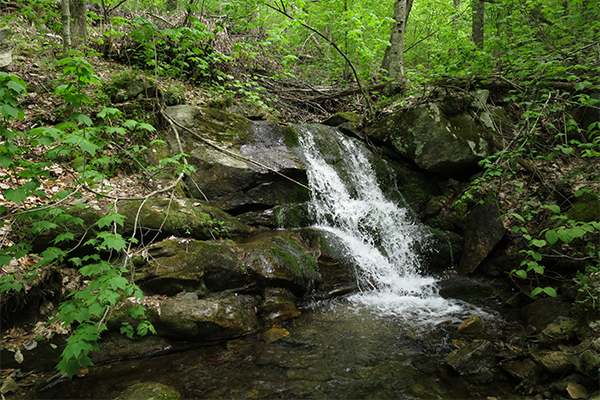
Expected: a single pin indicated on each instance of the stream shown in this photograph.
(387, 341)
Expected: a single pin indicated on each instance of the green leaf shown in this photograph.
(521, 273)
(538, 243)
(536, 291)
(82, 118)
(554, 208)
(551, 237)
(550, 291)
(111, 218)
(15, 195)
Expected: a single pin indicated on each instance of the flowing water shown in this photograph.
(385, 342)
(379, 236)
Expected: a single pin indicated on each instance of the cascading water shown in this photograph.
(376, 234)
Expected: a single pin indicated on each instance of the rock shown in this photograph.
(552, 361)
(248, 110)
(577, 391)
(462, 288)
(483, 230)
(443, 251)
(160, 218)
(149, 391)
(475, 360)
(522, 369)
(480, 99)
(220, 145)
(278, 305)
(341, 118)
(274, 334)
(472, 325)
(562, 329)
(116, 347)
(585, 357)
(187, 319)
(543, 311)
(437, 139)
(5, 47)
(131, 88)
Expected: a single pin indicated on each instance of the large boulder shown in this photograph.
(483, 231)
(239, 163)
(438, 138)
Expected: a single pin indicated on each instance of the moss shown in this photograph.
(586, 209)
(294, 258)
(150, 391)
(292, 216)
(290, 137)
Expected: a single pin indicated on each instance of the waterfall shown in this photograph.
(379, 236)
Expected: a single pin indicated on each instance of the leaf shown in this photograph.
(15, 195)
(550, 291)
(536, 291)
(538, 243)
(521, 274)
(111, 218)
(554, 208)
(82, 118)
(551, 237)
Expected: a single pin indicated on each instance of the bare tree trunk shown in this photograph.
(79, 23)
(478, 21)
(393, 59)
(66, 25)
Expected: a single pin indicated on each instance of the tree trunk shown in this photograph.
(477, 26)
(79, 23)
(66, 25)
(393, 59)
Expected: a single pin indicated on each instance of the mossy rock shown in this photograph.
(149, 391)
(586, 208)
(183, 218)
(292, 216)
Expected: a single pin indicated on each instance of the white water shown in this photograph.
(376, 234)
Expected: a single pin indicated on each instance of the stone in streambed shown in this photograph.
(472, 325)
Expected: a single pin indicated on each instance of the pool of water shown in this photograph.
(335, 350)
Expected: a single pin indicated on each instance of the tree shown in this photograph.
(79, 23)
(477, 24)
(393, 60)
(66, 24)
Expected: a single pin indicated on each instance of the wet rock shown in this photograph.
(192, 266)
(440, 140)
(585, 357)
(462, 288)
(220, 144)
(149, 390)
(562, 329)
(543, 311)
(115, 347)
(342, 117)
(208, 319)
(474, 360)
(472, 325)
(483, 231)
(522, 369)
(443, 251)
(552, 361)
(274, 334)
(278, 305)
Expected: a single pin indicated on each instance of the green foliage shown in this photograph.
(81, 143)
